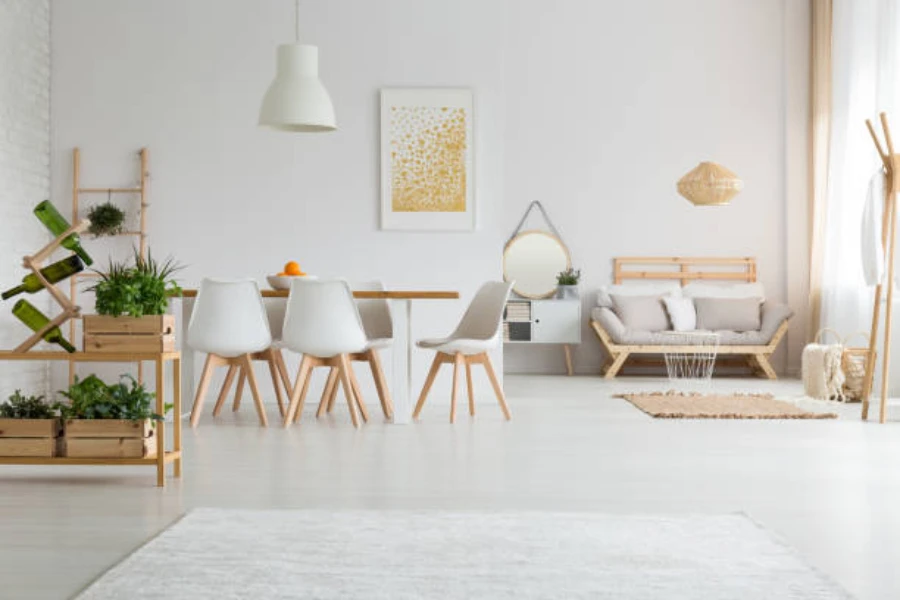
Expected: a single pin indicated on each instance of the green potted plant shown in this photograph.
(108, 420)
(106, 219)
(567, 283)
(28, 426)
(131, 302)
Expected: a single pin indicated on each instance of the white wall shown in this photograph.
(185, 79)
(24, 167)
(610, 103)
(594, 107)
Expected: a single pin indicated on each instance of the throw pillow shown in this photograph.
(642, 313)
(682, 313)
(729, 314)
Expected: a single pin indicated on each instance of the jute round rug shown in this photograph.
(680, 405)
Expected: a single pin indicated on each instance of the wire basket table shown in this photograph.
(693, 368)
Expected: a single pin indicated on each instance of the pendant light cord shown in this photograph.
(297, 20)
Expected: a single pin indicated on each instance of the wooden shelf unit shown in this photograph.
(141, 233)
(163, 457)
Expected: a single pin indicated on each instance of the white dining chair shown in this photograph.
(323, 324)
(477, 333)
(229, 324)
(375, 314)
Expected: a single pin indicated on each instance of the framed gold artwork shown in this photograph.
(427, 177)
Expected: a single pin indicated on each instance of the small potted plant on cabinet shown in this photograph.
(28, 426)
(567, 283)
(108, 421)
(131, 302)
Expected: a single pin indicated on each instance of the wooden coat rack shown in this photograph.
(891, 163)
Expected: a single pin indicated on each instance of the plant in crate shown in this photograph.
(92, 398)
(19, 406)
(137, 288)
(567, 283)
(28, 426)
(109, 420)
(131, 302)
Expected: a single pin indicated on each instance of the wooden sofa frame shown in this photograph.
(687, 270)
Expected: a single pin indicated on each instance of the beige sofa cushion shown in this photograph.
(637, 288)
(728, 314)
(642, 313)
(700, 289)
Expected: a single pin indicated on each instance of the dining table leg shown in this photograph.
(402, 361)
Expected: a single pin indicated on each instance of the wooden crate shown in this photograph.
(29, 446)
(109, 447)
(108, 428)
(29, 437)
(30, 428)
(152, 333)
(108, 438)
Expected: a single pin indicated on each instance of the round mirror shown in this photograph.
(532, 259)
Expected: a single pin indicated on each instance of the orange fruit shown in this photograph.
(282, 274)
(293, 268)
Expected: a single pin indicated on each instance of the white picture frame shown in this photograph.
(427, 159)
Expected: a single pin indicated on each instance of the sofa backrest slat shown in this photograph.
(684, 269)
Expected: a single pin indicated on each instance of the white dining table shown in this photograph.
(401, 312)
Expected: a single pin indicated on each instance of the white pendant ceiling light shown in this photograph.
(297, 100)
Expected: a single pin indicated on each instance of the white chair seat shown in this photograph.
(450, 345)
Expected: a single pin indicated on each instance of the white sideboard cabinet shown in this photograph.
(550, 321)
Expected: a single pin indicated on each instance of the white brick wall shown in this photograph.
(24, 167)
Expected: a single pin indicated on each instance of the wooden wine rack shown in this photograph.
(35, 263)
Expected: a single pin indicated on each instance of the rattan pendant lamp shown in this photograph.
(710, 184)
(296, 100)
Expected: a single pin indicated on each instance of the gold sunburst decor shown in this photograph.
(710, 184)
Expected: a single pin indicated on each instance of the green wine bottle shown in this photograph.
(52, 273)
(35, 320)
(57, 224)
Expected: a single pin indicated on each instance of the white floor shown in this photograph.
(830, 488)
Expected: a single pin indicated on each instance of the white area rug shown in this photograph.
(270, 555)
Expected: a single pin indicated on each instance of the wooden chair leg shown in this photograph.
(328, 392)
(239, 391)
(303, 393)
(429, 381)
(458, 361)
(282, 370)
(616, 365)
(357, 392)
(470, 388)
(496, 385)
(276, 380)
(226, 387)
(205, 378)
(344, 373)
(294, 406)
(384, 394)
(247, 363)
(334, 392)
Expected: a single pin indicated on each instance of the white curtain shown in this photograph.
(865, 70)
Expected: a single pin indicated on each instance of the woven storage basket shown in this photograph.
(853, 363)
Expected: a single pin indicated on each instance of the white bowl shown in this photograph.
(283, 282)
